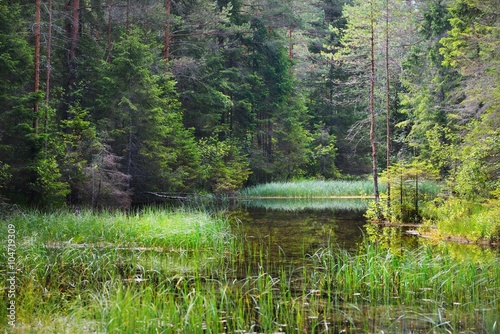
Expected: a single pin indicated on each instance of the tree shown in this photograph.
(139, 111)
(471, 46)
(372, 103)
(37, 62)
(387, 99)
(226, 168)
(18, 144)
(361, 31)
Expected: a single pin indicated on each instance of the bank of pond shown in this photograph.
(188, 270)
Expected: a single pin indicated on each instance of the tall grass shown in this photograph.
(469, 220)
(310, 188)
(185, 228)
(372, 291)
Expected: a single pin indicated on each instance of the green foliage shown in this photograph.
(478, 172)
(225, 168)
(322, 155)
(468, 220)
(79, 141)
(412, 189)
(4, 173)
(278, 94)
(52, 191)
(139, 109)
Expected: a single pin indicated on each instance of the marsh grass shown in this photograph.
(150, 227)
(310, 188)
(206, 286)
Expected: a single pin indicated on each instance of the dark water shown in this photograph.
(292, 228)
(294, 233)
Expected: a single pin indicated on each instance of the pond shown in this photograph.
(292, 228)
(285, 231)
(275, 266)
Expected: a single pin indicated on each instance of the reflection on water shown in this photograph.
(292, 228)
(301, 204)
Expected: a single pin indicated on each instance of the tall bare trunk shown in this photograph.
(75, 26)
(387, 102)
(49, 55)
(37, 62)
(168, 37)
(108, 46)
(372, 104)
(72, 30)
(127, 24)
(48, 74)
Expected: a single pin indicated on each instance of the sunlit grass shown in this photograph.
(468, 220)
(311, 188)
(149, 227)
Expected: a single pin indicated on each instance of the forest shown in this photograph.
(250, 166)
(105, 103)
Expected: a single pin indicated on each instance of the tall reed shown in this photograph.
(310, 188)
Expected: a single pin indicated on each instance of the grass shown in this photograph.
(310, 189)
(170, 272)
(467, 220)
(149, 227)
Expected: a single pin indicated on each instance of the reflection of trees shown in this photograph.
(389, 237)
(300, 204)
(288, 233)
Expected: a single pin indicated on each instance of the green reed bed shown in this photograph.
(63, 259)
(333, 291)
(412, 277)
(310, 188)
(149, 227)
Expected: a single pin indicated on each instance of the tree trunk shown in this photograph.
(166, 51)
(108, 46)
(49, 64)
(48, 75)
(73, 33)
(127, 24)
(37, 62)
(372, 104)
(387, 102)
(72, 30)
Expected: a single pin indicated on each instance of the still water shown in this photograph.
(298, 229)
(286, 230)
(293, 228)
